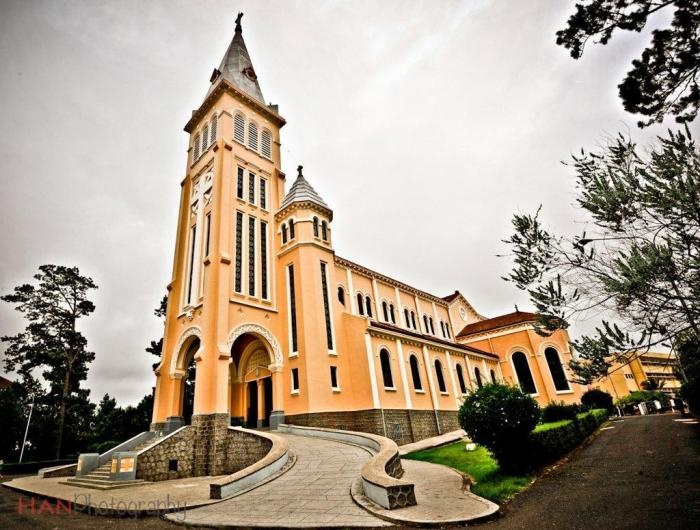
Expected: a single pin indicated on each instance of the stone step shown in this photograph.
(101, 484)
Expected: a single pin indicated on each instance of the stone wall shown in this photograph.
(154, 464)
(207, 447)
(402, 425)
(244, 449)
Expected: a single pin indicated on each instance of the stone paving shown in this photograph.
(313, 493)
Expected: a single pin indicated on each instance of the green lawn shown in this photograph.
(478, 464)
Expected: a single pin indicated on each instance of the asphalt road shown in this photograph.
(643, 473)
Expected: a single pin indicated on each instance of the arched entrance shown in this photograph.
(184, 372)
(251, 393)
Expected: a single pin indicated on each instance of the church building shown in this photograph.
(282, 329)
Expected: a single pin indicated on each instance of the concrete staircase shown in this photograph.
(99, 478)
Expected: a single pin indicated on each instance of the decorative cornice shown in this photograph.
(395, 283)
(457, 349)
(224, 86)
(304, 205)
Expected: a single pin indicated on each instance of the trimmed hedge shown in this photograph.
(547, 446)
(559, 411)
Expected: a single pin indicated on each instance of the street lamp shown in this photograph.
(26, 431)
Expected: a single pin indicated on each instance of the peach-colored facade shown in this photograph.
(278, 324)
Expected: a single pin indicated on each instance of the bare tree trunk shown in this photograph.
(62, 413)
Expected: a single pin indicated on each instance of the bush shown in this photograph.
(546, 446)
(500, 417)
(597, 399)
(559, 411)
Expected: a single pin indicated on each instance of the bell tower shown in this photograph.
(223, 294)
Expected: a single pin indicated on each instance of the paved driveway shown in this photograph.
(643, 473)
(313, 493)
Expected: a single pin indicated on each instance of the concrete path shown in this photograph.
(313, 493)
(644, 472)
(435, 441)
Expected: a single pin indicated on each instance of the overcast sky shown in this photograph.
(424, 125)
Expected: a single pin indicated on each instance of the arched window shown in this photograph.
(291, 229)
(442, 328)
(212, 128)
(386, 369)
(253, 136)
(385, 311)
(266, 142)
(556, 369)
(460, 378)
(324, 230)
(360, 306)
(493, 376)
(315, 226)
(477, 374)
(368, 306)
(284, 234)
(413, 320)
(205, 138)
(391, 314)
(440, 377)
(195, 153)
(447, 329)
(341, 295)
(425, 322)
(407, 316)
(239, 128)
(432, 327)
(415, 373)
(522, 371)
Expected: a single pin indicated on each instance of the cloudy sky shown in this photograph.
(424, 125)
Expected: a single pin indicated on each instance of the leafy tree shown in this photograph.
(641, 266)
(14, 407)
(156, 347)
(500, 418)
(51, 341)
(664, 80)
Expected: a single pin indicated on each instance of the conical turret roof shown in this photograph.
(302, 191)
(237, 68)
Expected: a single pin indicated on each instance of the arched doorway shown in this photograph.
(251, 382)
(184, 372)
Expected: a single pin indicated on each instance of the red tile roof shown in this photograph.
(390, 327)
(518, 317)
(450, 297)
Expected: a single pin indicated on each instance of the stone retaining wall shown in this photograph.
(402, 425)
(154, 463)
(207, 447)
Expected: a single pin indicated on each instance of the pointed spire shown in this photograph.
(237, 68)
(302, 191)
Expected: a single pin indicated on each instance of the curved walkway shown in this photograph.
(313, 493)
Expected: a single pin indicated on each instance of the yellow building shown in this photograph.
(631, 375)
(280, 328)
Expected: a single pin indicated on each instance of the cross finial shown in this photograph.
(238, 21)
(299, 168)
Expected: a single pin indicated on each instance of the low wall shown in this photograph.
(404, 426)
(381, 474)
(154, 463)
(175, 456)
(263, 453)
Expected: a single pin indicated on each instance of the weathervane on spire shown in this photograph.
(299, 168)
(238, 21)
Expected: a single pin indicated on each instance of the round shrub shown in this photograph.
(597, 399)
(500, 417)
(559, 411)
